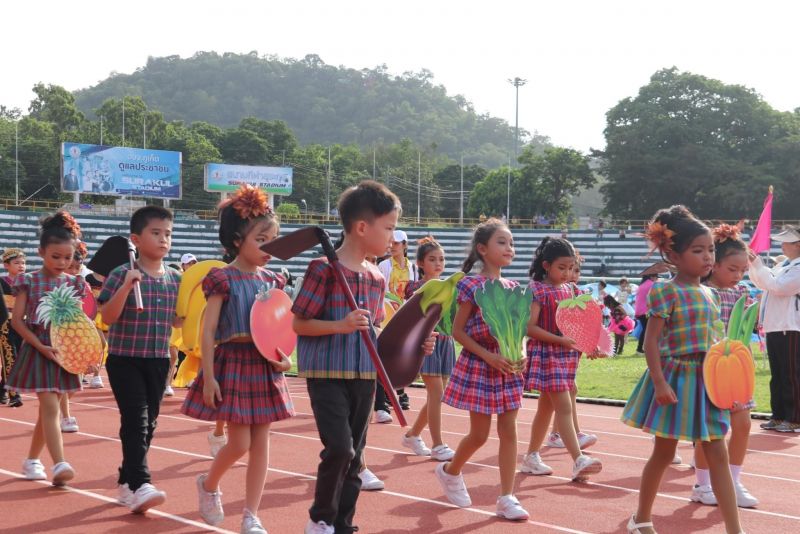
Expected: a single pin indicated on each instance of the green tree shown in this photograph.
(449, 179)
(244, 147)
(556, 175)
(277, 133)
(56, 105)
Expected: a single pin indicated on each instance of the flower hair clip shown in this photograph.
(723, 232)
(248, 202)
(427, 240)
(660, 236)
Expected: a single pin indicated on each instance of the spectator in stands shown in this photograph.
(641, 307)
(187, 260)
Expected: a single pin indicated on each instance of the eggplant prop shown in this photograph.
(400, 343)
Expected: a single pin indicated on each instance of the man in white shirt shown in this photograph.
(780, 318)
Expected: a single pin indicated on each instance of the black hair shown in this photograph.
(602, 283)
(684, 226)
(647, 277)
(366, 201)
(549, 250)
(59, 228)
(481, 236)
(142, 217)
(424, 249)
(232, 228)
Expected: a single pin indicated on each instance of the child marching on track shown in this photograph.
(552, 362)
(436, 368)
(138, 348)
(483, 381)
(36, 369)
(670, 401)
(237, 384)
(730, 266)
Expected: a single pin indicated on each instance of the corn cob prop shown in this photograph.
(400, 343)
(728, 369)
(72, 333)
(506, 311)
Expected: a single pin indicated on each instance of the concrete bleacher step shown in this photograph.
(621, 256)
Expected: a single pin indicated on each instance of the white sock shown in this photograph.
(703, 477)
(736, 470)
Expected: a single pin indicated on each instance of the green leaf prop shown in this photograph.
(506, 311)
(444, 293)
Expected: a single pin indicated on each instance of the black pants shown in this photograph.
(138, 385)
(342, 410)
(619, 343)
(643, 320)
(783, 349)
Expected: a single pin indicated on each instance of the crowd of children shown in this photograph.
(245, 393)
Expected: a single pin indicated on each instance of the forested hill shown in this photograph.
(320, 102)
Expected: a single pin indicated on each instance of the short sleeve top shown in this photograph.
(476, 327)
(548, 298)
(690, 313)
(238, 290)
(36, 284)
(727, 299)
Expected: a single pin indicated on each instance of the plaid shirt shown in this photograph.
(476, 327)
(145, 334)
(548, 298)
(689, 312)
(337, 355)
(727, 299)
(35, 285)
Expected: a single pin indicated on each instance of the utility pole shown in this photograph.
(508, 192)
(461, 204)
(101, 129)
(419, 185)
(144, 131)
(328, 186)
(123, 121)
(517, 83)
(16, 163)
(373, 162)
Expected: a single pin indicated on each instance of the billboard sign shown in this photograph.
(221, 178)
(120, 171)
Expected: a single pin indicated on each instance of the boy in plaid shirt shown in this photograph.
(138, 348)
(333, 358)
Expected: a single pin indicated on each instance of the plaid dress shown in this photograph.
(252, 391)
(474, 385)
(441, 362)
(550, 367)
(32, 372)
(689, 313)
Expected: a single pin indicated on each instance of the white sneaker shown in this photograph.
(586, 440)
(215, 443)
(743, 497)
(508, 507)
(210, 503)
(703, 495)
(585, 466)
(251, 524)
(69, 424)
(454, 488)
(382, 416)
(554, 440)
(677, 459)
(318, 528)
(62, 473)
(124, 494)
(33, 469)
(85, 379)
(169, 392)
(146, 497)
(97, 382)
(442, 453)
(370, 482)
(416, 444)
(532, 464)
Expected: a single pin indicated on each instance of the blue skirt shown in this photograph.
(441, 362)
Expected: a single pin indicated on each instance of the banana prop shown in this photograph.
(400, 343)
(192, 278)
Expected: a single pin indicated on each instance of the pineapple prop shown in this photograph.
(72, 333)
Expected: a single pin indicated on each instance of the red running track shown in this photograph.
(412, 500)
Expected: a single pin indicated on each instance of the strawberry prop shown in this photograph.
(581, 318)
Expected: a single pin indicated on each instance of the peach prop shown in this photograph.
(271, 324)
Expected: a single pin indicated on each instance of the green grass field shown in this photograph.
(615, 378)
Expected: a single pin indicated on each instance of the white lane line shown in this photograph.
(109, 500)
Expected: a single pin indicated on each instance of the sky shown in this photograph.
(579, 57)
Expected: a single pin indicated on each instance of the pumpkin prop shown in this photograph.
(400, 343)
(581, 318)
(271, 323)
(506, 311)
(728, 369)
(72, 333)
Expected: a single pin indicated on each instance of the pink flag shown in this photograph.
(760, 242)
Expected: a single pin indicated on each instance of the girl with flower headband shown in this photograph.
(670, 400)
(236, 384)
(436, 368)
(10, 341)
(730, 266)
